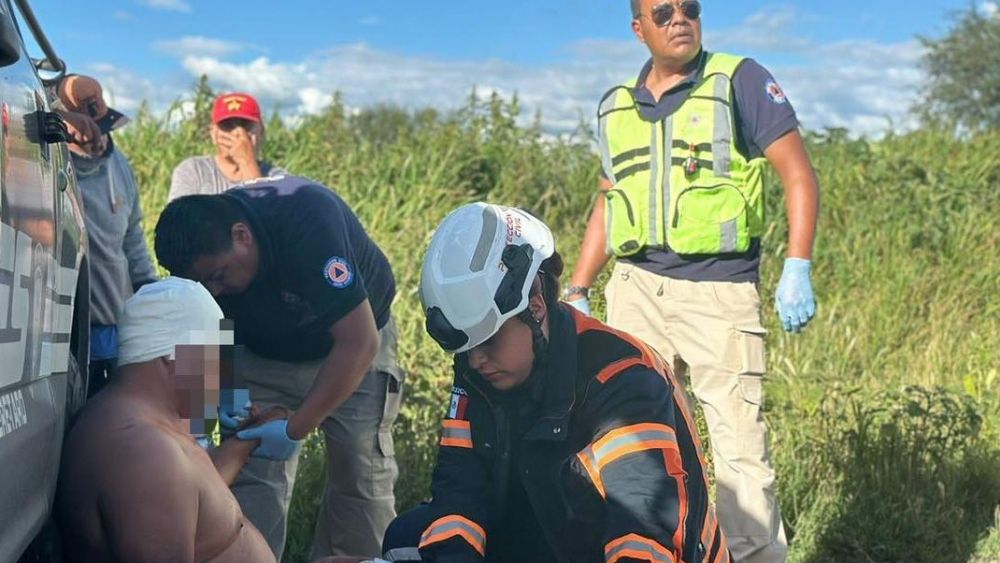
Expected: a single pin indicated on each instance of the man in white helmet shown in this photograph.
(564, 440)
(134, 485)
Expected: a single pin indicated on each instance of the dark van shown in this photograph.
(44, 316)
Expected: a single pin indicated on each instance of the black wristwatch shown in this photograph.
(576, 290)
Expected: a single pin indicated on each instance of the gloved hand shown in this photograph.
(794, 301)
(274, 441)
(234, 407)
(582, 304)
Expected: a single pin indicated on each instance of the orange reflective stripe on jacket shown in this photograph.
(456, 433)
(455, 525)
(626, 440)
(712, 539)
(649, 358)
(637, 547)
(615, 368)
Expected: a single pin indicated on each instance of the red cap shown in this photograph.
(235, 104)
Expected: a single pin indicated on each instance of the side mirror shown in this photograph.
(10, 40)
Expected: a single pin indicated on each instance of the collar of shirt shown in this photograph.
(643, 96)
(551, 392)
(556, 388)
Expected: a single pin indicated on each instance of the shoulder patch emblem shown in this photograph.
(459, 403)
(774, 92)
(338, 272)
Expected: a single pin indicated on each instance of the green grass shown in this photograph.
(885, 413)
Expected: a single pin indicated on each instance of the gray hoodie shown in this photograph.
(119, 259)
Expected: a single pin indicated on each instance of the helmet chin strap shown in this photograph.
(539, 345)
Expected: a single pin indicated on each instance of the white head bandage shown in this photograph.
(164, 314)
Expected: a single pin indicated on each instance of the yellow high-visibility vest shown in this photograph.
(680, 181)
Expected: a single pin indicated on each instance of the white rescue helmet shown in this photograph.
(478, 272)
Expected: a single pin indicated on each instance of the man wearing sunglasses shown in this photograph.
(683, 148)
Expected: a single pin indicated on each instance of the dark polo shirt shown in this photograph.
(762, 114)
(317, 264)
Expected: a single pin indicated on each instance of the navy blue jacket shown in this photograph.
(594, 460)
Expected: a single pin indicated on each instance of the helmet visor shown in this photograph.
(509, 293)
(441, 330)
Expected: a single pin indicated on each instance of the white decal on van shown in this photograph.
(33, 311)
(13, 415)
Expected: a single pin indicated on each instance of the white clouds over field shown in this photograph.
(858, 84)
(195, 45)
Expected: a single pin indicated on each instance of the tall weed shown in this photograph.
(906, 273)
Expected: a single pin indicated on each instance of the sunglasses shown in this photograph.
(663, 13)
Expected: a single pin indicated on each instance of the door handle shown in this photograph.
(62, 180)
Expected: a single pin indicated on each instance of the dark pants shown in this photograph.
(101, 372)
(403, 534)
(358, 498)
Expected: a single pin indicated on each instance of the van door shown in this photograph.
(32, 402)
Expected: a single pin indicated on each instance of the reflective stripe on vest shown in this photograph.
(680, 181)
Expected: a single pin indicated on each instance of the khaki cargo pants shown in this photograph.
(358, 500)
(712, 333)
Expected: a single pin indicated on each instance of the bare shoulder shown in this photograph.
(114, 440)
(146, 451)
(148, 495)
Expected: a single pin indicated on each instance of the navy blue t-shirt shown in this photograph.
(317, 264)
(763, 114)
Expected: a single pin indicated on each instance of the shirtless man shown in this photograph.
(134, 485)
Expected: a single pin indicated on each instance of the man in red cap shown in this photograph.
(237, 133)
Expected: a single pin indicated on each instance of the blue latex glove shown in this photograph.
(274, 441)
(234, 407)
(582, 304)
(794, 301)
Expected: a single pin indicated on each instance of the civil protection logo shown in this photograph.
(338, 272)
(774, 92)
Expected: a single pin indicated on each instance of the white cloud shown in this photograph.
(857, 84)
(122, 15)
(990, 9)
(125, 90)
(196, 45)
(370, 20)
(765, 31)
(168, 5)
(607, 50)
(862, 85)
(275, 82)
(314, 100)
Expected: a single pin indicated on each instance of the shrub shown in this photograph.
(906, 273)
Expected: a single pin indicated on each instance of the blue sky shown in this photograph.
(850, 63)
